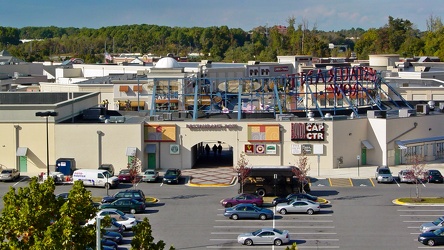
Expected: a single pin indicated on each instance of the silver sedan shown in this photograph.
(298, 206)
(265, 236)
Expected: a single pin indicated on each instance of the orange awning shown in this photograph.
(123, 88)
(137, 88)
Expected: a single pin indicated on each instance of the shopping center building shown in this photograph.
(165, 114)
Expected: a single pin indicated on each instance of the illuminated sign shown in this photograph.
(307, 131)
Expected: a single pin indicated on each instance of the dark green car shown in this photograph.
(126, 205)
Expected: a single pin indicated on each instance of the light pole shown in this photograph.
(100, 134)
(47, 114)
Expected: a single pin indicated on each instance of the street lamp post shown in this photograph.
(100, 134)
(47, 114)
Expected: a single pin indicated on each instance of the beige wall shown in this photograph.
(80, 141)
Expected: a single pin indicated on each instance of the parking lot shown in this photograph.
(360, 216)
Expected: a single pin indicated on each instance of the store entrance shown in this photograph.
(214, 154)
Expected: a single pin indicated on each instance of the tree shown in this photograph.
(301, 172)
(242, 170)
(416, 172)
(33, 218)
(134, 167)
(143, 239)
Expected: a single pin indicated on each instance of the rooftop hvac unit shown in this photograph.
(423, 109)
(407, 112)
(154, 118)
(377, 114)
(116, 119)
(284, 117)
(167, 116)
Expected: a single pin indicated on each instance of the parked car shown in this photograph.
(432, 238)
(243, 198)
(150, 175)
(383, 174)
(62, 196)
(125, 176)
(248, 211)
(292, 197)
(128, 221)
(406, 176)
(298, 206)
(265, 236)
(135, 194)
(432, 226)
(171, 176)
(433, 175)
(108, 167)
(9, 174)
(113, 227)
(125, 205)
(114, 236)
(109, 244)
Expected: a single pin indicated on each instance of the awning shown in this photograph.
(137, 88)
(131, 151)
(21, 151)
(123, 88)
(367, 144)
(402, 144)
(134, 103)
(150, 149)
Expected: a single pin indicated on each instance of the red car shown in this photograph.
(125, 176)
(243, 198)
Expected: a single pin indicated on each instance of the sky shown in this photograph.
(325, 15)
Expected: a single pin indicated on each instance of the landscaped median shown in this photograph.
(423, 201)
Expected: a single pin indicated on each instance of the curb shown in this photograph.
(400, 203)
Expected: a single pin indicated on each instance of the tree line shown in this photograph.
(224, 44)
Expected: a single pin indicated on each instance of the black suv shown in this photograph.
(135, 194)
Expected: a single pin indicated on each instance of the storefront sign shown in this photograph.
(270, 149)
(174, 149)
(249, 148)
(307, 131)
(307, 148)
(260, 149)
(296, 149)
(211, 126)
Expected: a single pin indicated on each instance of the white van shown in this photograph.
(95, 177)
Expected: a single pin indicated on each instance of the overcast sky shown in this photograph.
(327, 15)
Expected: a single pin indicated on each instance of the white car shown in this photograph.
(406, 176)
(126, 220)
(298, 206)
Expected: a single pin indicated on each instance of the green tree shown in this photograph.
(143, 239)
(33, 218)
